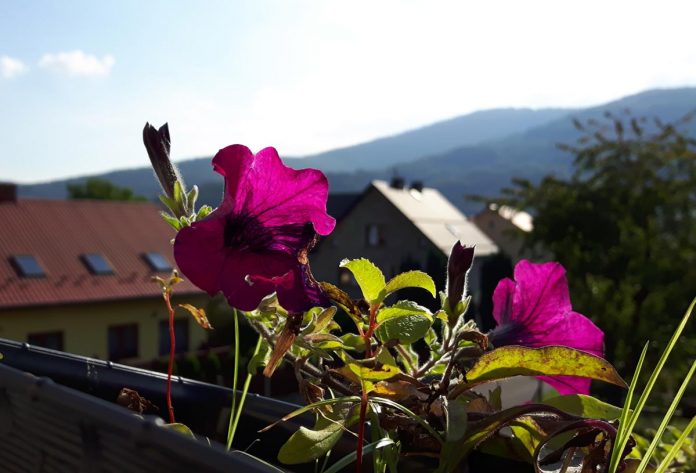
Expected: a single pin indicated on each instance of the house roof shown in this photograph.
(518, 218)
(435, 216)
(58, 232)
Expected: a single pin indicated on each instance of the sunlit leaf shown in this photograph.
(260, 359)
(410, 279)
(368, 276)
(405, 321)
(198, 315)
(359, 371)
(511, 361)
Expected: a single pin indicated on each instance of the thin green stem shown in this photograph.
(242, 398)
(234, 378)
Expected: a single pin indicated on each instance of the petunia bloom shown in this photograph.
(534, 310)
(256, 242)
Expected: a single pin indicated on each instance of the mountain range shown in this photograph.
(477, 153)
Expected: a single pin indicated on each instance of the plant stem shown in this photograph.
(172, 350)
(234, 378)
(233, 424)
(361, 431)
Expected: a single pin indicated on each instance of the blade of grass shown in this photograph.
(243, 396)
(633, 418)
(665, 420)
(622, 433)
(234, 378)
(350, 458)
(676, 447)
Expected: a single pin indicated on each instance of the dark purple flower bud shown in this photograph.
(458, 265)
(158, 145)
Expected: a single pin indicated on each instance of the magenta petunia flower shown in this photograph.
(534, 310)
(256, 242)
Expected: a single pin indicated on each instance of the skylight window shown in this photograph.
(157, 262)
(27, 266)
(97, 264)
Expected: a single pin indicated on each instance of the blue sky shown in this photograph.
(79, 79)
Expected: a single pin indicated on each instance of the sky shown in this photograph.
(79, 79)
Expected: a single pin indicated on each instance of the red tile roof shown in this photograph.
(57, 232)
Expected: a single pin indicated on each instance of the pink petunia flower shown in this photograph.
(256, 242)
(534, 310)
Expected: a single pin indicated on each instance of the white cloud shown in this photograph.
(77, 63)
(11, 67)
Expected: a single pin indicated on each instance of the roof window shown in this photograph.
(27, 266)
(97, 264)
(157, 262)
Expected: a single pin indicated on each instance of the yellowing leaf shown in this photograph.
(584, 406)
(198, 315)
(510, 361)
(358, 372)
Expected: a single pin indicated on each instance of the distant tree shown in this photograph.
(101, 189)
(624, 226)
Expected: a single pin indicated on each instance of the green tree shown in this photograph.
(101, 189)
(624, 226)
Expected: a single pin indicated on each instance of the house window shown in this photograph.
(27, 266)
(181, 333)
(157, 262)
(123, 341)
(97, 264)
(373, 236)
(52, 340)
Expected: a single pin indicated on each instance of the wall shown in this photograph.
(400, 240)
(85, 326)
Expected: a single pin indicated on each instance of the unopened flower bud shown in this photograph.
(158, 145)
(458, 265)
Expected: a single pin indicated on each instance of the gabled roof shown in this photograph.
(58, 232)
(435, 216)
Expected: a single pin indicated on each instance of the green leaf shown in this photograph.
(181, 428)
(410, 279)
(306, 445)
(674, 450)
(665, 420)
(511, 361)
(192, 196)
(369, 278)
(314, 405)
(405, 321)
(456, 417)
(203, 212)
(260, 359)
(351, 457)
(625, 428)
(353, 341)
(358, 371)
(171, 220)
(584, 406)
(324, 319)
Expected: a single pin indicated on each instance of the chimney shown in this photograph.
(8, 192)
(397, 182)
(417, 186)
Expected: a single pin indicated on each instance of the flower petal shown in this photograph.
(277, 195)
(568, 384)
(200, 253)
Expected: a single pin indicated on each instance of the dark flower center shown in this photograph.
(245, 232)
